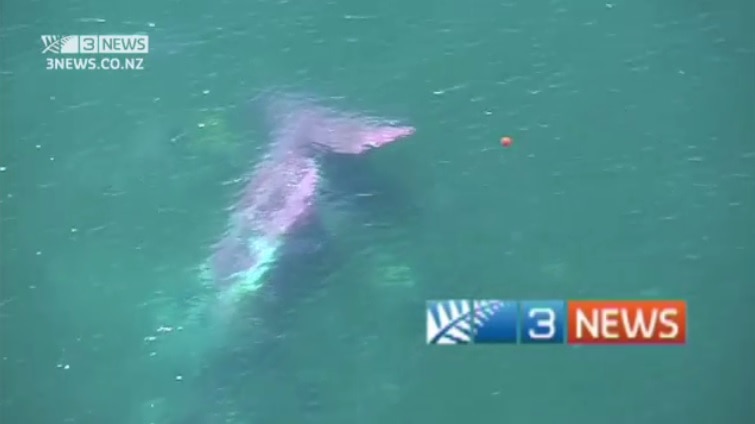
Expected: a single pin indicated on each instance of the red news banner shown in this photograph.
(627, 322)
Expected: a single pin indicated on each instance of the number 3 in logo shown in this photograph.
(546, 323)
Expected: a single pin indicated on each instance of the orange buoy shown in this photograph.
(506, 141)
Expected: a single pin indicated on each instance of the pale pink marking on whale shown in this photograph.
(277, 196)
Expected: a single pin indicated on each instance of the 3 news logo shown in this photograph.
(557, 322)
(95, 52)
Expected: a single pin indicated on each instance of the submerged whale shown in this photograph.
(274, 210)
(279, 193)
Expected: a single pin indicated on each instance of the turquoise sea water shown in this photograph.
(632, 175)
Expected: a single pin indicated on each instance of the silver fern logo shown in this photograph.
(464, 321)
(68, 44)
(448, 322)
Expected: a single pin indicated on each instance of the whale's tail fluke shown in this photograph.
(299, 121)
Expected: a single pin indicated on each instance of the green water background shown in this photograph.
(632, 176)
